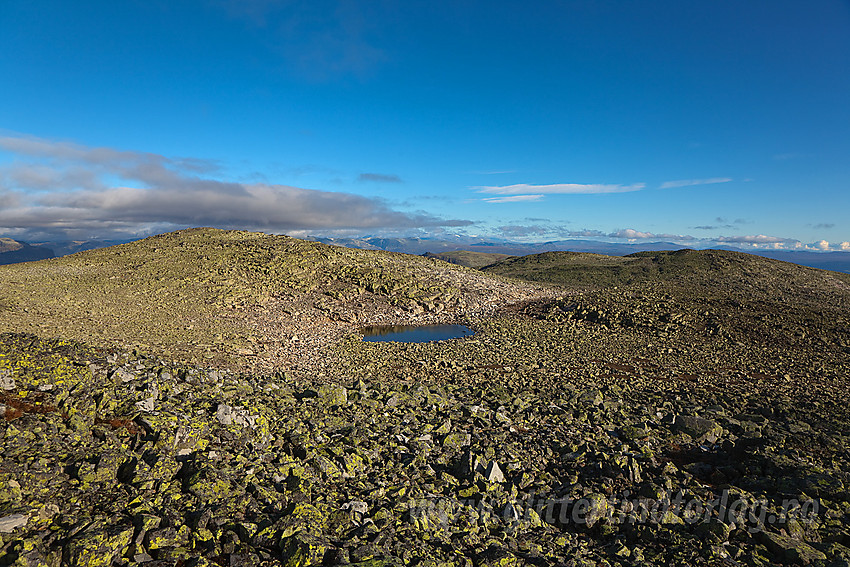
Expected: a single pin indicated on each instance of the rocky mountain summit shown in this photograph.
(693, 415)
(239, 299)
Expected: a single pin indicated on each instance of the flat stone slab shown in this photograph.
(12, 521)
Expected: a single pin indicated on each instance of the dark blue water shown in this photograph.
(414, 333)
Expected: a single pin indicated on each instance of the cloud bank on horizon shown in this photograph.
(524, 192)
(66, 190)
(55, 190)
(631, 235)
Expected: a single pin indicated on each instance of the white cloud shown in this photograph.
(689, 182)
(755, 239)
(826, 246)
(9, 199)
(513, 198)
(586, 233)
(523, 231)
(632, 234)
(560, 188)
(69, 190)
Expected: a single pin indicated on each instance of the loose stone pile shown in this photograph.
(116, 458)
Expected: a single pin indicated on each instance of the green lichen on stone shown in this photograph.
(303, 550)
(333, 394)
(99, 546)
(482, 451)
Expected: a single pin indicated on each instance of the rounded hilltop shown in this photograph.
(209, 294)
(668, 408)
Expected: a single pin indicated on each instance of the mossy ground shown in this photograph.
(713, 372)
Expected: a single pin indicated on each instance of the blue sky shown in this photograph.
(701, 122)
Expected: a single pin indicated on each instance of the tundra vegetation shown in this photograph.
(204, 398)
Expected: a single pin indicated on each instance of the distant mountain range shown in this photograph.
(422, 245)
(65, 247)
(835, 261)
(12, 251)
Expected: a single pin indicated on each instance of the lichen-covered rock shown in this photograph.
(108, 465)
(716, 531)
(497, 557)
(699, 428)
(167, 537)
(212, 486)
(238, 416)
(333, 394)
(304, 550)
(493, 473)
(146, 405)
(591, 509)
(456, 441)
(9, 523)
(576, 412)
(99, 545)
(305, 517)
(786, 548)
(164, 468)
(6, 380)
(378, 562)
